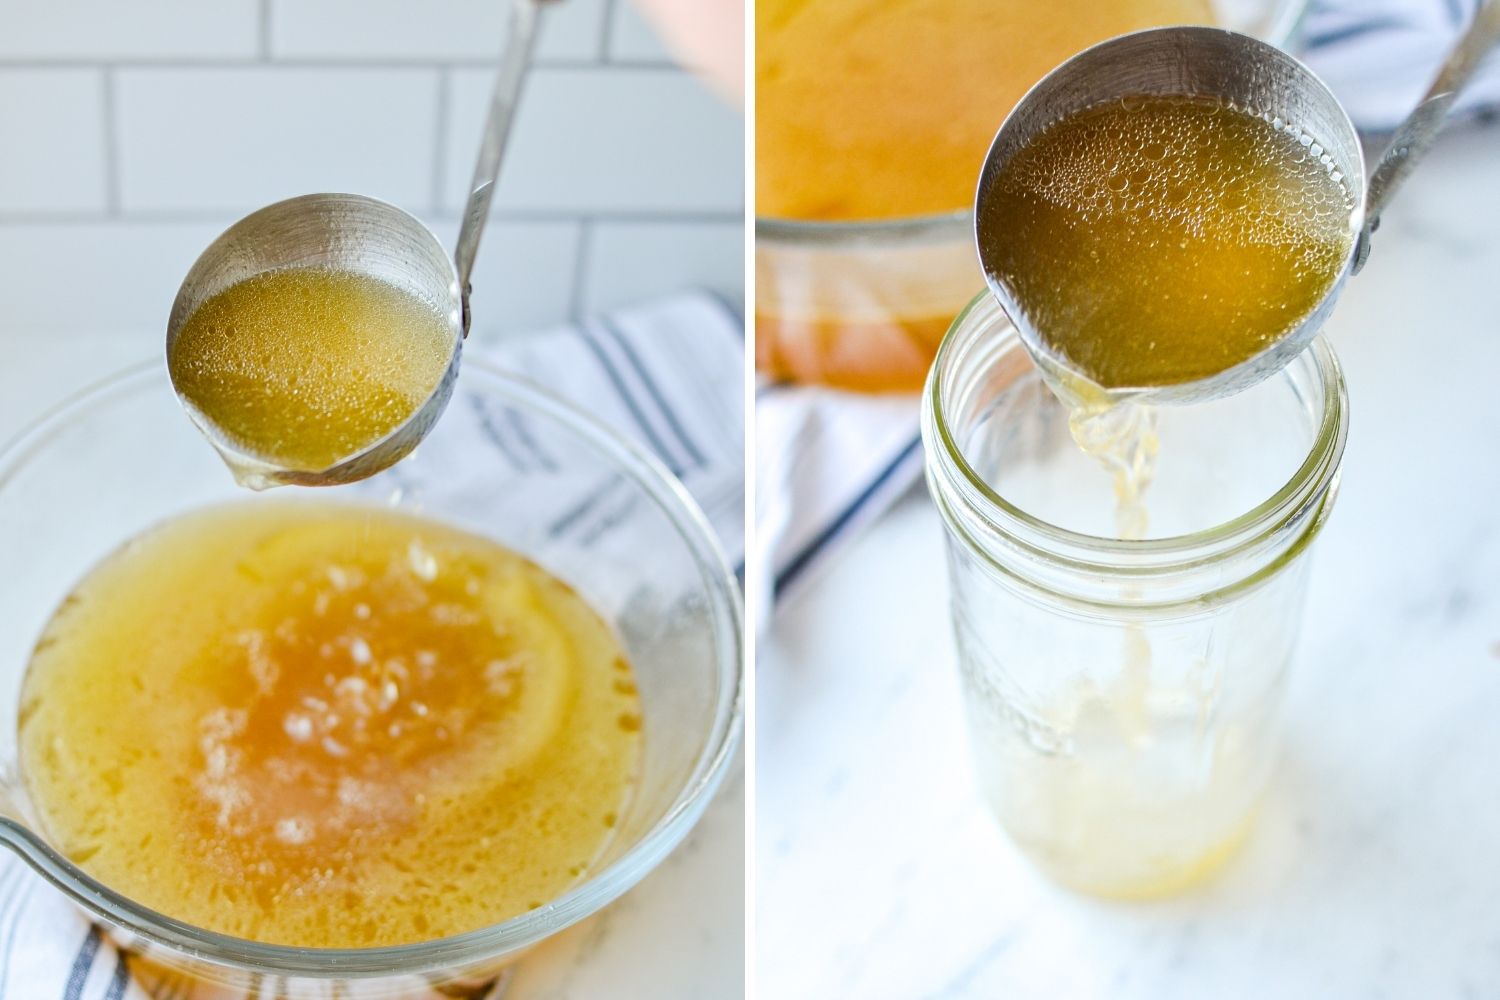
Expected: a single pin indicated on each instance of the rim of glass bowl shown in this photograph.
(519, 932)
(1283, 24)
(1117, 557)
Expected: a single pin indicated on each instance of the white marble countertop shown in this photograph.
(1375, 871)
(679, 935)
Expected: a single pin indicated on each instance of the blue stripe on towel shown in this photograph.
(120, 980)
(736, 317)
(517, 423)
(1460, 12)
(73, 988)
(1355, 30)
(579, 510)
(492, 434)
(693, 452)
(800, 562)
(625, 395)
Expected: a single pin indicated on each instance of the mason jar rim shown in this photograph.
(1115, 557)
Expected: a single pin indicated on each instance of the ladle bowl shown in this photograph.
(353, 233)
(341, 232)
(1184, 62)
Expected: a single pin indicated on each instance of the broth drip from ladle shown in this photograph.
(387, 251)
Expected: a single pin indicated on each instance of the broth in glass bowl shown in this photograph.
(872, 121)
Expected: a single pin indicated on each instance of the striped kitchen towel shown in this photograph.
(830, 462)
(1379, 56)
(669, 375)
(826, 464)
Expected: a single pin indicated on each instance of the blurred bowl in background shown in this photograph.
(863, 305)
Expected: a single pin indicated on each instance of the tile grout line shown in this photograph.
(440, 140)
(607, 32)
(263, 29)
(112, 186)
(331, 63)
(220, 215)
(580, 268)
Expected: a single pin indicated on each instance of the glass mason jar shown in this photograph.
(1123, 696)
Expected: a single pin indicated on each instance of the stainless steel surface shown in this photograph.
(1204, 62)
(1211, 62)
(345, 232)
(1414, 136)
(353, 233)
(519, 40)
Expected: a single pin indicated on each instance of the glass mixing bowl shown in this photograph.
(579, 500)
(863, 305)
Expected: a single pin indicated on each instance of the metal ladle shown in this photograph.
(1216, 63)
(350, 232)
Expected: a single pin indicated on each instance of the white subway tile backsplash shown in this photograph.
(524, 276)
(574, 29)
(588, 140)
(52, 134)
(631, 39)
(435, 29)
(115, 30)
(234, 139)
(631, 261)
(40, 372)
(110, 277)
(132, 133)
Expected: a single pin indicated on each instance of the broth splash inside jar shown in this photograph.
(304, 367)
(1154, 241)
(354, 728)
(1151, 241)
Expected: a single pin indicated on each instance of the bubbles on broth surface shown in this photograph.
(355, 728)
(1154, 241)
(306, 367)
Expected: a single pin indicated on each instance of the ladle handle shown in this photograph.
(514, 61)
(1414, 136)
